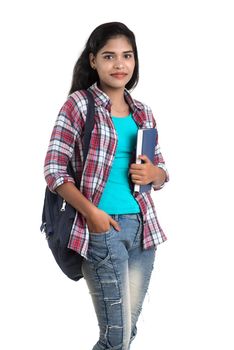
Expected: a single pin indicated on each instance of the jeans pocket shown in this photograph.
(99, 254)
(98, 249)
(99, 233)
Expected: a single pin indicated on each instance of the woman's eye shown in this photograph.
(108, 57)
(128, 55)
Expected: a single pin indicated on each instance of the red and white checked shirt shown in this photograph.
(66, 144)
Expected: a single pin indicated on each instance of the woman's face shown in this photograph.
(114, 63)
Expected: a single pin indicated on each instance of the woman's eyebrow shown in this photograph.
(113, 53)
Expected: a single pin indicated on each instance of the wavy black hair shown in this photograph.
(83, 75)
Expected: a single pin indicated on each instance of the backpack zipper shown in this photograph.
(63, 205)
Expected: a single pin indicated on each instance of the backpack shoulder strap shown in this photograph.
(89, 124)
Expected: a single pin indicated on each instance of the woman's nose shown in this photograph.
(119, 64)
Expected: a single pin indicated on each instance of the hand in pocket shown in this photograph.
(99, 221)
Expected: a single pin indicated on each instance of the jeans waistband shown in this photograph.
(116, 217)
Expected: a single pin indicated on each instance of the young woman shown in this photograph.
(115, 229)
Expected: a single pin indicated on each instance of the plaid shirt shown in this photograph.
(66, 144)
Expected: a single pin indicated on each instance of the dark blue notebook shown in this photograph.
(146, 143)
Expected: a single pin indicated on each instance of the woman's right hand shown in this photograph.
(99, 221)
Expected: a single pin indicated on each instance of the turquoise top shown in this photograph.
(117, 196)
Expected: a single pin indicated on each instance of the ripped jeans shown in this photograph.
(117, 273)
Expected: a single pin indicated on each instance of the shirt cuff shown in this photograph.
(60, 181)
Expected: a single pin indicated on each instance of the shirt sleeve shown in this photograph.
(62, 142)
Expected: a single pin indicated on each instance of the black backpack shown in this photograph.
(58, 216)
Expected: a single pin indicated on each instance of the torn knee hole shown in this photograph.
(113, 301)
(116, 302)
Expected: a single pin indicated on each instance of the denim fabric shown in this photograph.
(117, 273)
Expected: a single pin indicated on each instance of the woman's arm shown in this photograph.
(97, 220)
(68, 127)
(154, 172)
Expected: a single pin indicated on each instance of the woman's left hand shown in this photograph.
(145, 173)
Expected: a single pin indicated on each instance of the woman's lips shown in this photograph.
(119, 75)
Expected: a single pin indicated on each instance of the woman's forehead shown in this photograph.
(119, 43)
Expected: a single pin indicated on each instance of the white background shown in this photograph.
(187, 77)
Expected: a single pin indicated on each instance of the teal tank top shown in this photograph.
(117, 196)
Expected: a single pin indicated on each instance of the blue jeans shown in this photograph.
(117, 273)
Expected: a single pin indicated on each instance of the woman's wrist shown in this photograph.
(160, 177)
(75, 198)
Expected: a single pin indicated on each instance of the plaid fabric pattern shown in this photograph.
(66, 144)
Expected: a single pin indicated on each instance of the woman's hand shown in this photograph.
(99, 221)
(147, 172)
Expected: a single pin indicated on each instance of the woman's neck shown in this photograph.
(119, 106)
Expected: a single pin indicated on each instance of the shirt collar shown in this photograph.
(101, 99)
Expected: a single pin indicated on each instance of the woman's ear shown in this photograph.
(92, 60)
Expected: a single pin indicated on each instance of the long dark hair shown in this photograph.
(83, 75)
